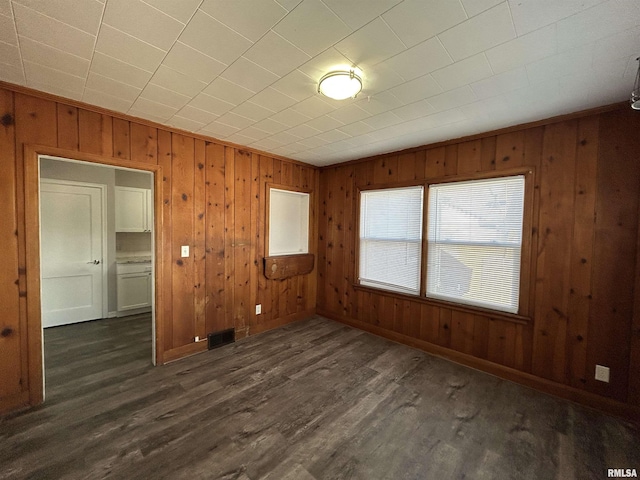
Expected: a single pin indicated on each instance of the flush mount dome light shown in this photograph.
(340, 85)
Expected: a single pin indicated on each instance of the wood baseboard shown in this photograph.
(193, 348)
(591, 400)
(278, 322)
(183, 351)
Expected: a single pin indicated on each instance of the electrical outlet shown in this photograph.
(184, 251)
(602, 373)
(258, 309)
(197, 339)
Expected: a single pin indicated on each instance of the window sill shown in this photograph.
(493, 314)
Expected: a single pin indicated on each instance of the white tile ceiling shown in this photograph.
(246, 71)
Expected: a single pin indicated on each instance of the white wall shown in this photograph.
(129, 178)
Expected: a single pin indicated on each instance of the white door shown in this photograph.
(71, 230)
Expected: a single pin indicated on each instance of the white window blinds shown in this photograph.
(391, 238)
(474, 242)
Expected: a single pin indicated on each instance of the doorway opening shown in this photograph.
(97, 268)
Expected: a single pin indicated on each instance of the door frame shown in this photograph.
(33, 337)
(103, 228)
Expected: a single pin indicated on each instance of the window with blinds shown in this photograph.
(391, 238)
(474, 242)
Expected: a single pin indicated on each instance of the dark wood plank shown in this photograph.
(256, 233)
(215, 239)
(199, 239)
(510, 150)
(182, 223)
(164, 160)
(435, 163)
(242, 240)
(14, 377)
(95, 133)
(264, 285)
(469, 157)
(144, 143)
(35, 124)
(311, 400)
(582, 251)
(121, 139)
(67, 127)
(616, 230)
(554, 250)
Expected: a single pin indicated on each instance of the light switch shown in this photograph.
(184, 253)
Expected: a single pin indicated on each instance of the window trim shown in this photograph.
(526, 284)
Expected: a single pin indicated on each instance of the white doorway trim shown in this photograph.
(103, 231)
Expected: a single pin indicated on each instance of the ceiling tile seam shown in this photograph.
(271, 29)
(252, 43)
(254, 63)
(140, 95)
(12, 14)
(171, 17)
(393, 31)
(120, 61)
(15, 27)
(483, 51)
(46, 46)
(178, 72)
(404, 122)
(165, 53)
(437, 38)
(93, 50)
(288, 11)
(493, 73)
(229, 125)
(104, 93)
(50, 18)
(319, 53)
(195, 50)
(200, 110)
(467, 13)
(555, 49)
(257, 105)
(513, 22)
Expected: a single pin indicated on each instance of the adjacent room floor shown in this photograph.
(312, 400)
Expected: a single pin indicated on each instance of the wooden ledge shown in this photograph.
(286, 266)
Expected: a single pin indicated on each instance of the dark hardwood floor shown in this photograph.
(312, 400)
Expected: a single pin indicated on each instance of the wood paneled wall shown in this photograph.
(213, 199)
(584, 266)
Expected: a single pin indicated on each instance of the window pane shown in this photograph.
(392, 265)
(475, 239)
(486, 276)
(391, 238)
(483, 211)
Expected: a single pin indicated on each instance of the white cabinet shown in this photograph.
(134, 288)
(134, 209)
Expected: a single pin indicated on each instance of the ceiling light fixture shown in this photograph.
(635, 94)
(340, 84)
